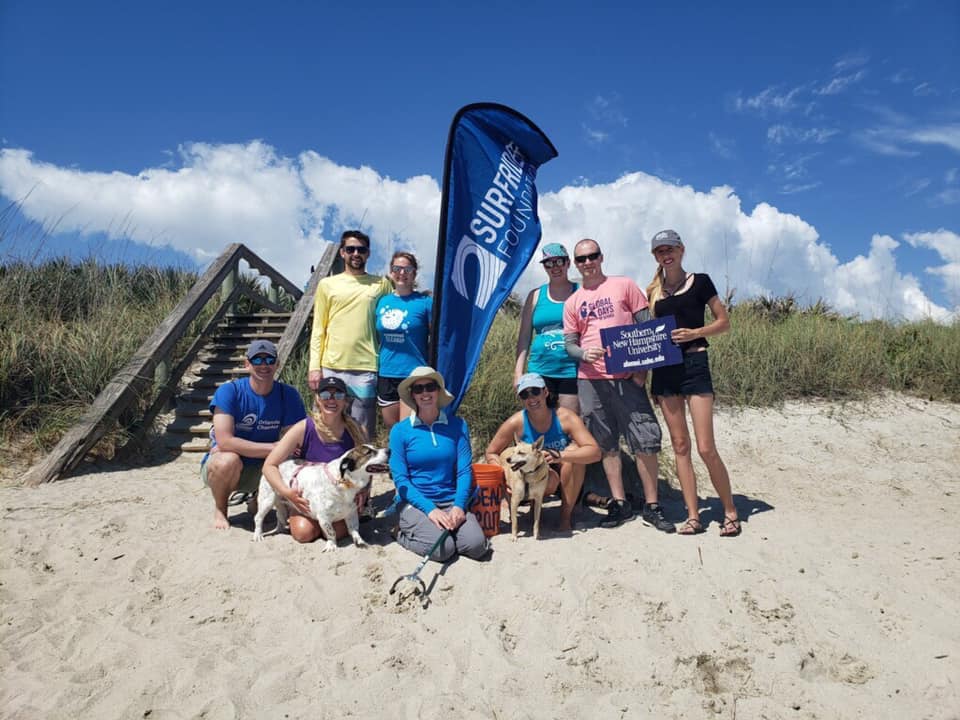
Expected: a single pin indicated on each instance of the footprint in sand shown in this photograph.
(781, 616)
(815, 667)
(715, 674)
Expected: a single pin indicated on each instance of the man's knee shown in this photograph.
(223, 469)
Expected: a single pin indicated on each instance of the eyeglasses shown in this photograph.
(585, 258)
(554, 262)
(534, 391)
(426, 387)
(331, 395)
(404, 269)
(353, 249)
(263, 360)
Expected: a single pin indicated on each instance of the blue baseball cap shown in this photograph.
(553, 250)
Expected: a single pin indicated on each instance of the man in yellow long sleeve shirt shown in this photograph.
(343, 341)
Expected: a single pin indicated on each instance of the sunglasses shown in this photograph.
(426, 387)
(354, 249)
(331, 395)
(585, 258)
(554, 262)
(534, 391)
(263, 360)
(403, 269)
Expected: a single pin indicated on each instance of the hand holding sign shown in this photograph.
(644, 346)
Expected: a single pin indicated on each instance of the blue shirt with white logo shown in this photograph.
(403, 323)
(258, 418)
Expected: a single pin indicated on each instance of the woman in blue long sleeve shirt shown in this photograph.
(430, 460)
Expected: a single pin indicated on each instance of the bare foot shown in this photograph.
(220, 521)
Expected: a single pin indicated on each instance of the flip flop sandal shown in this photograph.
(239, 498)
(730, 527)
(599, 501)
(691, 527)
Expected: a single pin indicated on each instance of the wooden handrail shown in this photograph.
(134, 379)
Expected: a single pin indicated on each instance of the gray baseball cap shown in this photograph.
(666, 237)
(261, 347)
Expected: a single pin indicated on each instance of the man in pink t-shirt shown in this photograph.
(613, 404)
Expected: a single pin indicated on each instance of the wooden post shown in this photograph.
(226, 290)
(161, 374)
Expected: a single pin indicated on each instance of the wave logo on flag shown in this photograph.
(489, 230)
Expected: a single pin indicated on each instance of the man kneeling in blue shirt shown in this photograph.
(249, 415)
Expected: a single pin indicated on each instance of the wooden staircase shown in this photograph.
(218, 361)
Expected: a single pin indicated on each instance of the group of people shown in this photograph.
(368, 348)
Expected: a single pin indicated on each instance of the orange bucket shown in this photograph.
(486, 506)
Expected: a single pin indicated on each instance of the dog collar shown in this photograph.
(332, 479)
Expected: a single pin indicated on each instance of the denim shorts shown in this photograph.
(612, 408)
(691, 377)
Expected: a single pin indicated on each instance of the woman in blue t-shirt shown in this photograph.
(684, 295)
(403, 326)
(324, 435)
(540, 347)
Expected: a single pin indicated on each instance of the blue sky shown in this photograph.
(812, 150)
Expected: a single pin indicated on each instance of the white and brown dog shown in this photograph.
(330, 488)
(527, 474)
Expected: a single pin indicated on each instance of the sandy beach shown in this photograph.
(840, 600)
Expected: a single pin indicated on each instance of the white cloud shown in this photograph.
(722, 147)
(900, 77)
(891, 140)
(949, 196)
(948, 135)
(595, 137)
(850, 61)
(282, 207)
(608, 110)
(782, 133)
(924, 89)
(947, 246)
(771, 99)
(839, 84)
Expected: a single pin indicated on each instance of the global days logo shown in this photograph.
(496, 227)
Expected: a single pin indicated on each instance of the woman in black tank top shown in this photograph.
(684, 295)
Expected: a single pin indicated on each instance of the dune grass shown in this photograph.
(66, 328)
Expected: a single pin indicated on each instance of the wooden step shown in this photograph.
(176, 441)
(190, 426)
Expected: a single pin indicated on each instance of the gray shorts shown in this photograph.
(612, 408)
(249, 477)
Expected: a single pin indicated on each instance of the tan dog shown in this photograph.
(527, 473)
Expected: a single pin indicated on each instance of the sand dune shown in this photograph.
(840, 599)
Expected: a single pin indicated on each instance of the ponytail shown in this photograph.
(655, 290)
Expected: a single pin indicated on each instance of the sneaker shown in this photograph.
(652, 515)
(618, 512)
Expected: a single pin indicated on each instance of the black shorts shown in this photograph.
(560, 386)
(387, 390)
(691, 377)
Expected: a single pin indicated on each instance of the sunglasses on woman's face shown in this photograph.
(426, 387)
(404, 269)
(554, 262)
(534, 391)
(263, 360)
(353, 249)
(331, 395)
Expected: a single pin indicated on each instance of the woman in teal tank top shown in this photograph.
(540, 347)
(567, 444)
